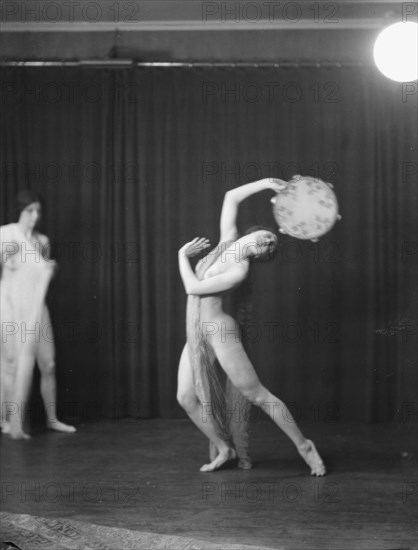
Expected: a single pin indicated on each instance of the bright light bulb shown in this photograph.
(395, 52)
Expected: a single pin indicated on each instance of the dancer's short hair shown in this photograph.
(26, 197)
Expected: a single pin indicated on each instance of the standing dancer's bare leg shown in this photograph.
(186, 396)
(49, 397)
(8, 364)
(22, 384)
(7, 370)
(6, 389)
(46, 362)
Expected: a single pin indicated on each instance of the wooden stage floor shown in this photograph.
(144, 475)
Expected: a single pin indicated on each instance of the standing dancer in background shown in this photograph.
(25, 322)
(213, 334)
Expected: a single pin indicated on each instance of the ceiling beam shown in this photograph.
(128, 15)
(183, 31)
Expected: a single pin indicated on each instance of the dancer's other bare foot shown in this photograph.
(311, 456)
(5, 428)
(18, 434)
(16, 429)
(244, 464)
(224, 456)
(58, 426)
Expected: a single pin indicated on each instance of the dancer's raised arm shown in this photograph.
(234, 197)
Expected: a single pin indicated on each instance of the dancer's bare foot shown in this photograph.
(58, 426)
(5, 428)
(224, 456)
(245, 464)
(18, 434)
(16, 429)
(311, 456)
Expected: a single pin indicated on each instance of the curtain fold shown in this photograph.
(133, 162)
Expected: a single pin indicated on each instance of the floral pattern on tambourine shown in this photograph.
(306, 209)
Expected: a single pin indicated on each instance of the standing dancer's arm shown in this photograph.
(46, 253)
(8, 246)
(234, 197)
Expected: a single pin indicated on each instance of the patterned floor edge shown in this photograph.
(27, 532)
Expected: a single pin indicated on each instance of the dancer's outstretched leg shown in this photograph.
(187, 398)
(233, 359)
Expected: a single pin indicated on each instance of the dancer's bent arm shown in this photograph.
(219, 283)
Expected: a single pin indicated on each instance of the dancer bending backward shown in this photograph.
(226, 272)
(26, 326)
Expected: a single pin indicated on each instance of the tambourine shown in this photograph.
(306, 208)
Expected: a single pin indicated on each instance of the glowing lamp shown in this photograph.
(395, 52)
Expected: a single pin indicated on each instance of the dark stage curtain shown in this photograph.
(133, 162)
